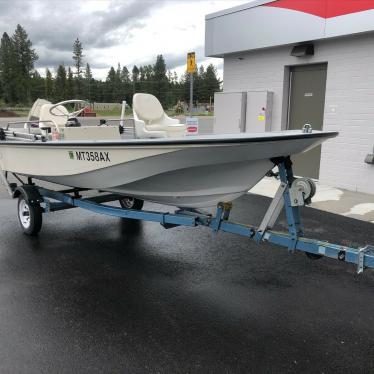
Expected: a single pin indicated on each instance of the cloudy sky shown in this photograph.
(128, 31)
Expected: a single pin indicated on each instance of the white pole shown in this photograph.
(122, 122)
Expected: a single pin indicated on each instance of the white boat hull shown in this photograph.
(183, 173)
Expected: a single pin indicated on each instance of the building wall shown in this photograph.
(349, 102)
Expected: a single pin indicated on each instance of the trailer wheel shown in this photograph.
(30, 216)
(131, 203)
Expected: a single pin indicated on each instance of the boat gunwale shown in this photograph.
(174, 142)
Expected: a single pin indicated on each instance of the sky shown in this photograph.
(127, 32)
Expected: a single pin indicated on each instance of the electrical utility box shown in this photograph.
(259, 107)
(229, 112)
(248, 111)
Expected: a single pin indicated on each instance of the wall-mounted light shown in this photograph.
(302, 50)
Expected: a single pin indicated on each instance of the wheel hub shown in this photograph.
(24, 214)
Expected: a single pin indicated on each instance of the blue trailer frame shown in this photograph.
(294, 240)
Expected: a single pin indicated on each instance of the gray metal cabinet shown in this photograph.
(229, 112)
(247, 111)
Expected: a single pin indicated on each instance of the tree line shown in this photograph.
(21, 83)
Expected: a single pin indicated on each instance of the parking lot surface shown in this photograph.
(96, 294)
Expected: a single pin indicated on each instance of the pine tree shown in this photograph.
(126, 84)
(60, 84)
(125, 75)
(95, 90)
(37, 86)
(110, 85)
(170, 89)
(88, 73)
(100, 88)
(48, 85)
(173, 95)
(199, 85)
(78, 58)
(87, 81)
(149, 85)
(160, 80)
(135, 79)
(70, 83)
(142, 85)
(185, 85)
(211, 82)
(25, 57)
(177, 89)
(7, 71)
(118, 90)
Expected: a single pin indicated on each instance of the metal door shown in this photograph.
(306, 105)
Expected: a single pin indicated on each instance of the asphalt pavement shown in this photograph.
(97, 294)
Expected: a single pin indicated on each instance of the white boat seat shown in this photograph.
(34, 113)
(151, 121)
(48, 119)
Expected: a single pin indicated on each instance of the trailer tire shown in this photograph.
(29, 216)
(131, 203)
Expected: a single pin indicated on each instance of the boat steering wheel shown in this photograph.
(54, 108)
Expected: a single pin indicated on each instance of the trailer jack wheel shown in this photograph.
(131, 203)
(29, 215)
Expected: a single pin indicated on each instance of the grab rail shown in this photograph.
(128, 130)
(28, 123)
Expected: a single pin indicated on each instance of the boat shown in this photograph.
(184, 171)
(187, 172)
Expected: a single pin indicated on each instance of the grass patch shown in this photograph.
(21, 113)
(111, 113)
(187, 114)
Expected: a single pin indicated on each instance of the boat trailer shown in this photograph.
(292, 193)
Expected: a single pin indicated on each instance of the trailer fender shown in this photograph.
(31, 194)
